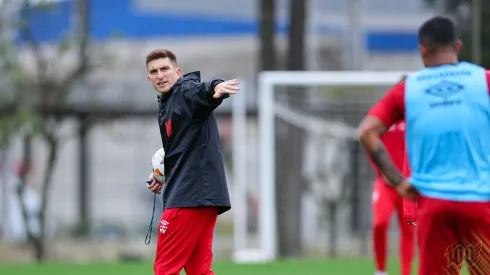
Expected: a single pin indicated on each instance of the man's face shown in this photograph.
(163, 74)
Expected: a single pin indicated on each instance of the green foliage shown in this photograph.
(16, 85)
(65, 45)
(33, 89)
(21, 121)
(27, 92)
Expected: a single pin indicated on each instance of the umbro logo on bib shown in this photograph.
(444, 90)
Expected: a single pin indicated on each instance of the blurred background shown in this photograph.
(78, 119)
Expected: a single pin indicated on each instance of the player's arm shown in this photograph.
(384, 114)
(203, 98)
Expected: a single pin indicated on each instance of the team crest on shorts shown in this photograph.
(163, 226)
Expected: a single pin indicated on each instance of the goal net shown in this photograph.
(305, 186)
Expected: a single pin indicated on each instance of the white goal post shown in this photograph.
(267, 81)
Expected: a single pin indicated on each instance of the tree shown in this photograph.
(267, 35)
(461, 11)
(35, 95)
(289, 144)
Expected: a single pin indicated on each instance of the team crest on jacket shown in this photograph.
(168, 127)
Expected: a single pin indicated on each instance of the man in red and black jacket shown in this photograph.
(195, 190)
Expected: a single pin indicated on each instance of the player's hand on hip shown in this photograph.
(154, 185)
(406, 190)
(227, 87)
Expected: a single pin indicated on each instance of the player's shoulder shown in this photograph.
(465, 64)
(487, 73)
(476, 67)
(189, 81)
(473, 66)
(418, 75)
(398, 88)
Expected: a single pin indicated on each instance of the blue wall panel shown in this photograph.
(119, 17)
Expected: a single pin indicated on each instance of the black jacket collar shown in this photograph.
(192, 76)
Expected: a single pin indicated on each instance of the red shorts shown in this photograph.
(449, 232)
(185, 241)
(385, 201)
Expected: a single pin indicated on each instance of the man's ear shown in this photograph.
(423, 51)
(179, 72)
(458, 45)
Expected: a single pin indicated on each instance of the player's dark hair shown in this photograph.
(437, 32)
(159, 53)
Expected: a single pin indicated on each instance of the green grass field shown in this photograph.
(291, 267)
(344, 267)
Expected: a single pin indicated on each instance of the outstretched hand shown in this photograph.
(227, 87)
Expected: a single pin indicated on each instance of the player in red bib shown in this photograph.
(385, 201)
